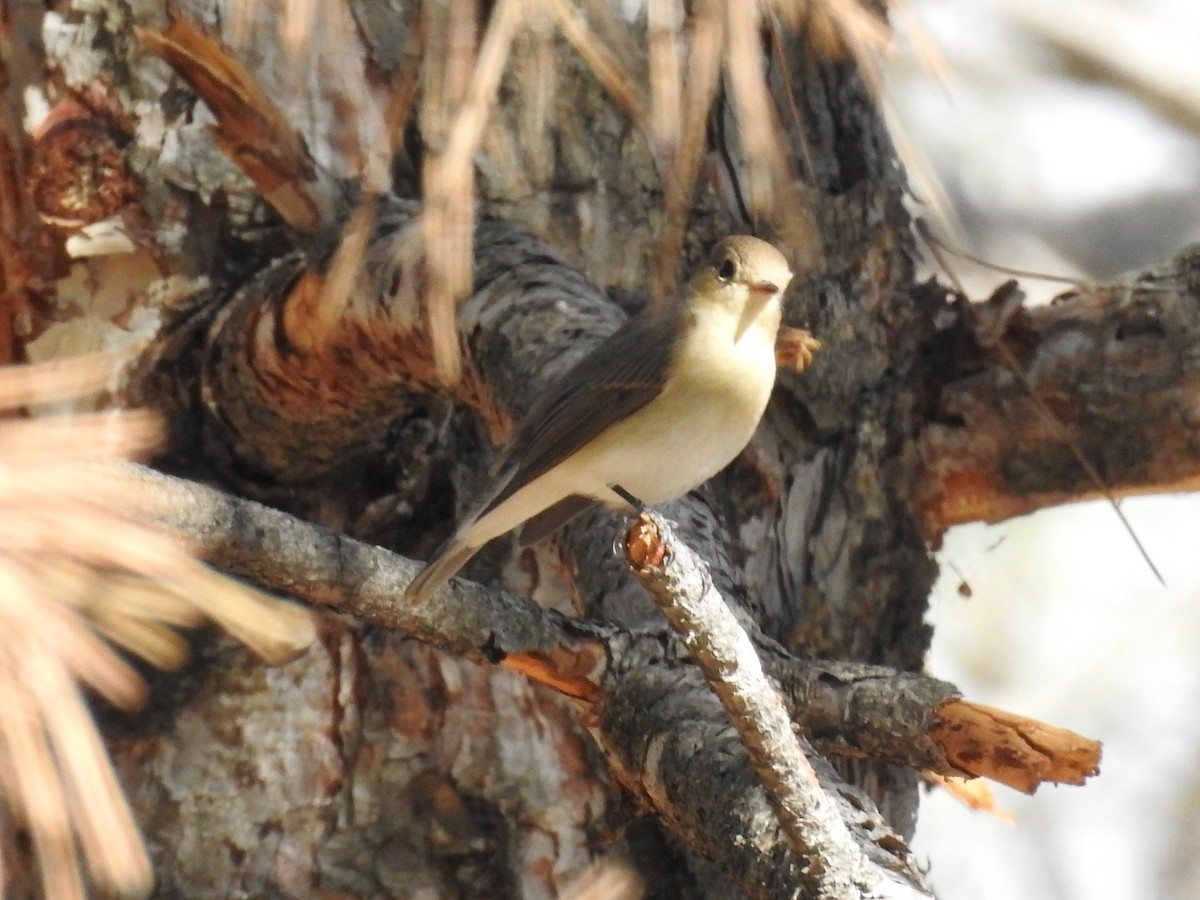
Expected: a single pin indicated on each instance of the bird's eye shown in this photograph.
(727, 269)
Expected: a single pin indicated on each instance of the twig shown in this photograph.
(683, 589)
(449, 187)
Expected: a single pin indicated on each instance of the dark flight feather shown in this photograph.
(620, 376)
(552, 518)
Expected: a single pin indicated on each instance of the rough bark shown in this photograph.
(634, 688)
(376, 766)
(1093, 395)
(614, 674)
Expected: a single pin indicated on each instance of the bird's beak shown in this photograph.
(761, 293)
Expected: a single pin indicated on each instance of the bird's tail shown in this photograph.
(442, 566)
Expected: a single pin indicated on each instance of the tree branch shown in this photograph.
(679, 581)
(851, 708)
(1114, 365)
(667, 738)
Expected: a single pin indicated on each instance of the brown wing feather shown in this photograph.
(620, 376)
(552, 518)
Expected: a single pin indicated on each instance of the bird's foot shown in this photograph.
(638, 505)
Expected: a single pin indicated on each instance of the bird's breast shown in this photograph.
(709, 407)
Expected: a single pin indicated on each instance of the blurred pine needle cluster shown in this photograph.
(84, 570)
(463, 60)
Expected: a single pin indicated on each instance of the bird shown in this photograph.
(653, 411)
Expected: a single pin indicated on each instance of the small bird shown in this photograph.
(656, 409)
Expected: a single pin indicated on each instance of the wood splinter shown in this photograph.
(1011, 749)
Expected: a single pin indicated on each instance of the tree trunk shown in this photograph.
(375, 765)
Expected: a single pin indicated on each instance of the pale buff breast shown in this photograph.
(705, 416)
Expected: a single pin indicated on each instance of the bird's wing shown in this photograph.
(552, 518)
(619, 377)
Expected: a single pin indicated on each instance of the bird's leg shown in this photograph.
(623, 540)
(638, 505)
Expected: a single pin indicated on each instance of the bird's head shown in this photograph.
(745, 278)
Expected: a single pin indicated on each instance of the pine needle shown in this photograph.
(80, 572)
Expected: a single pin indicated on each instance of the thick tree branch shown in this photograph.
(851, 709)
(287, 554)
(1111, 372)
(848, 708)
